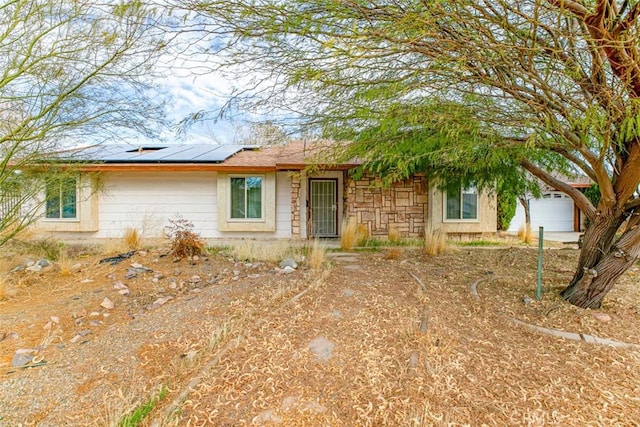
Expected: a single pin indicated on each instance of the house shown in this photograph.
(554, 210)
(235, 191)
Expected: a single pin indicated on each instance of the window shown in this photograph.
(246, 197)
(462, 204)
(61, 199)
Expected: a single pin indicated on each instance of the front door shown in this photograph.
(323, 201)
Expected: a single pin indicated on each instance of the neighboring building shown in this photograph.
(555, 210)
(234, 191)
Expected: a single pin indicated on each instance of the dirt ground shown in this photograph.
(381, 338)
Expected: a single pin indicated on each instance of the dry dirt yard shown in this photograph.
(371, 339)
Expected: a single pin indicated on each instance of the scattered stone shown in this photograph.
(348, 292)
(288, 269)
(322, 348)
(195, 279)
(124, 292)
(95, 323)
(120, 286)
(131, 273)
(163, 300)
(158, 276)
(43, 263)
(155, 280)
(84, 332)
(314, 407)
(107, 304)
(289, 403)
(195, 290)
(12, 336)
(75, 339)
(267, 416)
(55, 319)
(602, 317)
(111, 276)
(337, 314)
(236, 272)
(173, 285)
(288, 262)
(253, 276)
(23, 357)
(527, 300)
(142, 253)
(195, 258)
(34, 268)
(136, 265)
(86, 281)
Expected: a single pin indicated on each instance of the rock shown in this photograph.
(194, 279)
(43, 263)
(76, 267)
(289, 403)
(95, 323)
(288, 269)
(107, 304)
(314, 407)
(288, 262)
(34, 268)
(124, 291)
(527, 300)
(120, 286)
(55, 319)
(131, 273)
(86, 281)
(253, 276)
(267, 416)
(163, 300)
(322, 348)
(136, 265)
(602, 317)
(23, 357)
(94, 314)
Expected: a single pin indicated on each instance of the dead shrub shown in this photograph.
(525, 233)
(316, 255)
(392, 253)
(131, 239)
(352, 234)
(435, 241)
(184, 241)
(263, 250)
(394, 234)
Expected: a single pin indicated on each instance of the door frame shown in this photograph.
(310, 206)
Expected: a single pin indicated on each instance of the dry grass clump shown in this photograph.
(392, 253)
(435, 241)
(263, 250)
(394, 234)
(352, 233)
(316, 255)
(132, 239)
(525, 233)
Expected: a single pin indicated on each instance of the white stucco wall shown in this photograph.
(147, 201)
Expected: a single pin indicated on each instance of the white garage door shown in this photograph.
(554, 212)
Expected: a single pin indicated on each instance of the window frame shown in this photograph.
(263, 182)
(461, 192)
(60, 200)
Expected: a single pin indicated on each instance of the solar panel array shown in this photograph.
(156, 154)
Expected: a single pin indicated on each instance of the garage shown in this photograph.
(554, 211)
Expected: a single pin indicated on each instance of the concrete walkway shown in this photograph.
(560, 236)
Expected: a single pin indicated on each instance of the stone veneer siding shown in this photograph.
(295, 205)
(402, 206)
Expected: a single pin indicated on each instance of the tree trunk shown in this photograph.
(527, 212)
(603, 259)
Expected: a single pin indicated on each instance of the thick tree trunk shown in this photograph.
(603, 259)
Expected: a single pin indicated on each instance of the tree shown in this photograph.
(467, 89)
(71, 71)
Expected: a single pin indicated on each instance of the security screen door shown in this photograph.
(324, 212)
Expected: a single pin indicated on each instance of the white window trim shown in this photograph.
(262, 199)
(469, 220)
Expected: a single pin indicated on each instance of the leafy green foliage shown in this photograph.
(507, 203)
